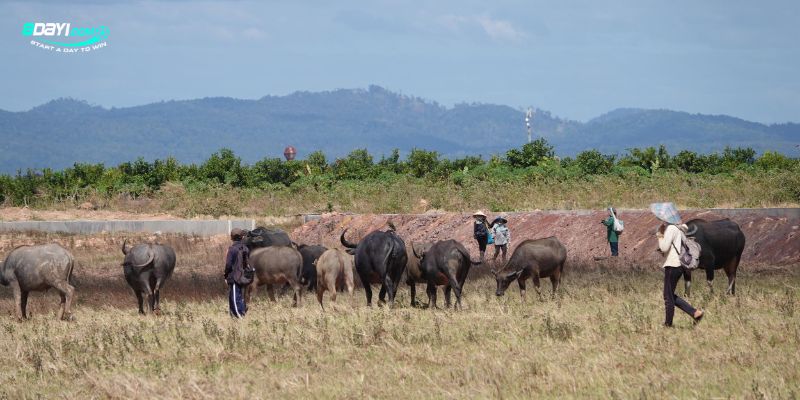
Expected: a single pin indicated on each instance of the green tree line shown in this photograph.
(536, 160)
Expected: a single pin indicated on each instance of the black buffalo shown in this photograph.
(310, 254)
(265, 237)
(722, 244)
(380, 257)
(446, 263)
(534, 258)
(147, 267)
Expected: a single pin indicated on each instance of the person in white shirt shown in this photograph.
(502, 237)
(669, 243)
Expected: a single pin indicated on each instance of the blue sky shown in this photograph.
(577, 59)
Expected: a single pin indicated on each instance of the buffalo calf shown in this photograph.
(334, 272)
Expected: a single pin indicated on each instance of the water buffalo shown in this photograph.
(147, 267)
(447, 263)
(722, 244)
(277, 265)
(534, 258)
(265, 237)
(310, 254)
(38, 268)
(380, 258)
(334, 270)
(413, 273)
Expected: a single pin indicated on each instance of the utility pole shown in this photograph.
(528, 122)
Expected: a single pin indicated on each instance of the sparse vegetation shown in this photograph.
(601, 338)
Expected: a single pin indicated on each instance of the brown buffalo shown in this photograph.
(413, 273)
(334, 272)
(38, 268)
(276, 265)
(534, 258)
(446, 263)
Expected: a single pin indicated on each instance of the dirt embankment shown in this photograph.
(772, 238)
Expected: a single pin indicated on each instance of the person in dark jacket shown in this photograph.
(236, 303)
(481, 231)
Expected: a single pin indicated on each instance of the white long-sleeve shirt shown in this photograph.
(668, 245)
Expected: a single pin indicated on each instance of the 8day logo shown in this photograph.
(62, 37)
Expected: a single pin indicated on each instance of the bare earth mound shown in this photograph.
(773, 235)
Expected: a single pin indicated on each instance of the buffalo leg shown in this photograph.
(730, 270)
(320, 292)
(66, 291)
(390, 289)
(413, 288)
(298, 294)
(157, 296)
(537, 285)
(522, 286)
(431, 291)
(382, 293)
(23, 303)
(710, 265)
(18, 301)
(140, 300)
(271, 292)
(555, 280)
(367, 291)
(447, 290)
(687, 281)
(453, 283)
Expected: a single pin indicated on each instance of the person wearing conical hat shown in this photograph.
(481, 231)
(502, 237)
(670, 237)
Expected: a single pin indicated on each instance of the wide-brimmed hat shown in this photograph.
(479, 214)
(502, 219)
(666, 212)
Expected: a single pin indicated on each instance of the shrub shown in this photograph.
(420, 162)
(357, 165)
(593, 162)
(530, 154)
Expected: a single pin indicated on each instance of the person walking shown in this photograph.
(481, 231)
(611, 234)
(670, 236)
(502, 237)
(235, 263)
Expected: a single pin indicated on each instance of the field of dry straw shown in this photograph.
(601, 338)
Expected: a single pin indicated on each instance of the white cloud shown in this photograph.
(499, 29)
(494, 28)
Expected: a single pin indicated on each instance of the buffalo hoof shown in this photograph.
(68, 318)
(157, 312)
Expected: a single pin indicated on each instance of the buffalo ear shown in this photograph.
(516, 274)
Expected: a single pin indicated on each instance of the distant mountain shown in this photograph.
(64, 131)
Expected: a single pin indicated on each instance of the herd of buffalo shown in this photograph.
(380, 257)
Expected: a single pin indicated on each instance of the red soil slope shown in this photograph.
(773, 236)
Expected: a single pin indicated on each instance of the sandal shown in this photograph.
(699, 317)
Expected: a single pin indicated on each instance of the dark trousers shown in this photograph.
(236, 300)
(497, 248)
(482, 241)
(671, 277)
(614, 248)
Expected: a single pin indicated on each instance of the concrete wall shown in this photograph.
(191, 227)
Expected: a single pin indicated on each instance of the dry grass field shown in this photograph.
(601, 338)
